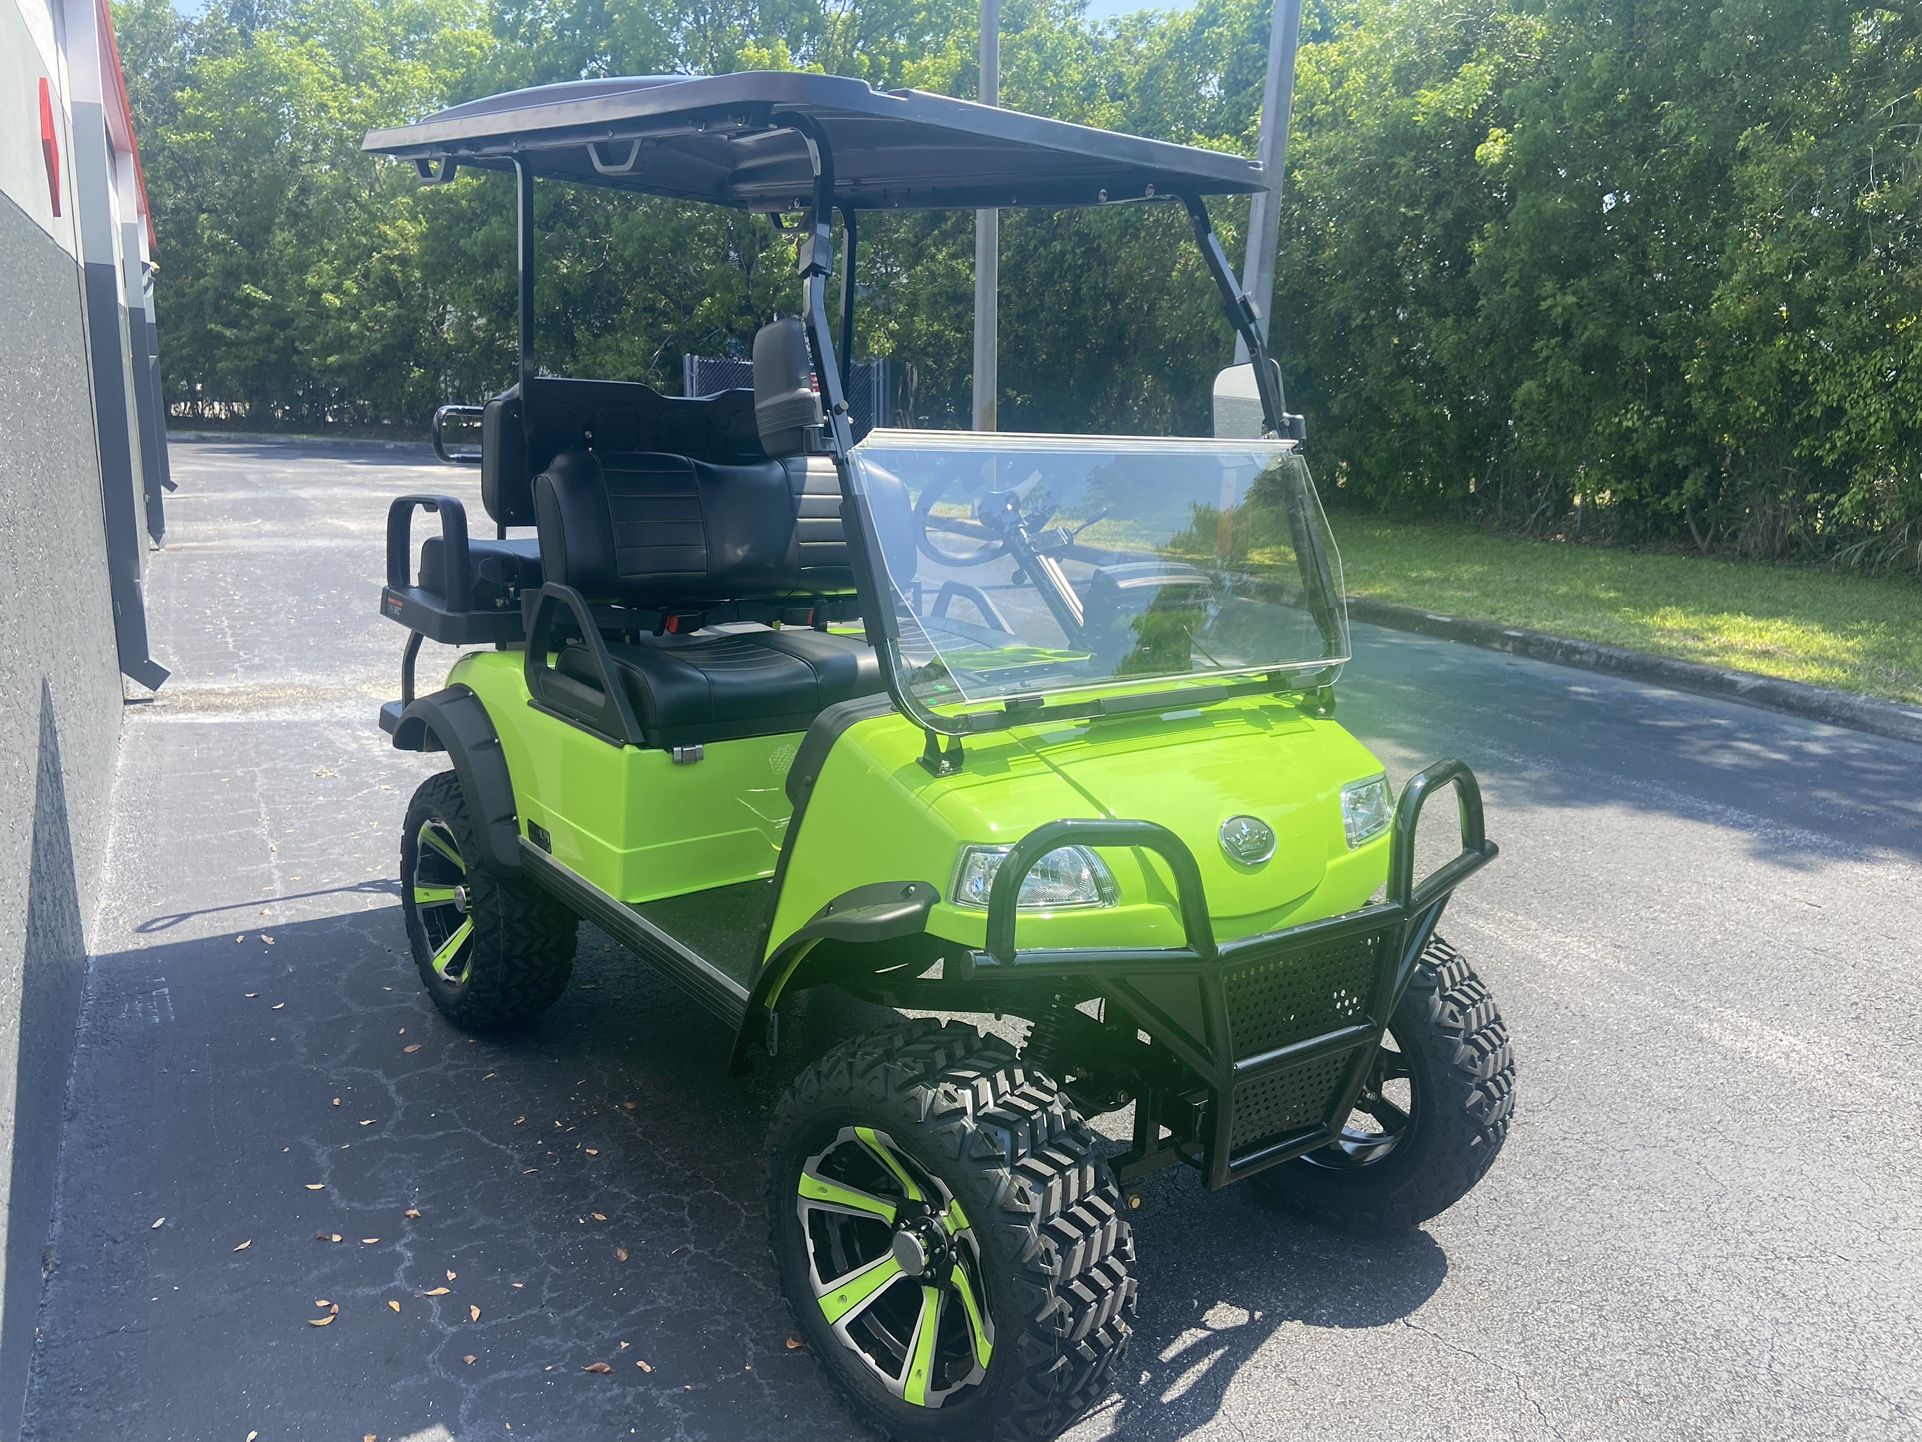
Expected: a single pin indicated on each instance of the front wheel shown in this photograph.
(951, 1244)
(1431, 1116)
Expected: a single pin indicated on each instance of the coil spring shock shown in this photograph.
(1046, 1046)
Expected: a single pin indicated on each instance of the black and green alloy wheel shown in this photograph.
(950, 1242)
(492, 951)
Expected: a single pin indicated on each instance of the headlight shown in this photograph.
(1364, 809)
(1067, 876)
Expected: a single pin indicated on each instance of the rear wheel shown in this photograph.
(1432, 1114)
(951, 1244)
(493, 953)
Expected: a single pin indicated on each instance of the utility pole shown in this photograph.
(1264, 212)
(987, 243)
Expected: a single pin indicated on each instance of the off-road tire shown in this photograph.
(1056, 1249)
(1462, 1070)
(522, 947)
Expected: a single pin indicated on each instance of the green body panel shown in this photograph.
(630, 821)
(877, 814)
(638, 826)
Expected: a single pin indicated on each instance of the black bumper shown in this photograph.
(1278, 1029)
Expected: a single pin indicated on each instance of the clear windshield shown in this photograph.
(1032, 565)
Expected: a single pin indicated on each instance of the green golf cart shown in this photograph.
(1023, 725)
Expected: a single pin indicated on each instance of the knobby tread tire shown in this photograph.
(524, 939)
(1055, 1241)
(1448, 1024)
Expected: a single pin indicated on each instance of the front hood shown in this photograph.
(1192, 775)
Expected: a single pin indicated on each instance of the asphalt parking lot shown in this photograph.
(1705, 1224)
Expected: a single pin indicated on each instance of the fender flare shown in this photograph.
(880, 911)
(455, 721)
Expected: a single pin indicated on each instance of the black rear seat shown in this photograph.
(680, 535)
(500, 569)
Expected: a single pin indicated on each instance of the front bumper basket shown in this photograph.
(1278, 1029)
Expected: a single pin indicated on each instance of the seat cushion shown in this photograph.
(724, 684)
(500, 568)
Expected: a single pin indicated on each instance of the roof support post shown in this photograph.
(849, 235)
(524, 185)
(816, 263)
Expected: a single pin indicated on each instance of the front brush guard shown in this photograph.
(1267, 1095)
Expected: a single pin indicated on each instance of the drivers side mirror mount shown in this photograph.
(1238, 414)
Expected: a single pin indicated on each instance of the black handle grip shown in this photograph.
(453, 535)
(472, 414)
(611, 717)
(1092, 831)
(1477, 851)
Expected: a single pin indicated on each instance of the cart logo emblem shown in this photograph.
(1247, 840)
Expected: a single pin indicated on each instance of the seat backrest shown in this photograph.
(561, 414)
(667, 531)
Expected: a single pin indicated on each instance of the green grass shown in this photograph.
(1825, 627)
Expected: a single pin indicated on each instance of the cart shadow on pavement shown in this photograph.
(592, 1191)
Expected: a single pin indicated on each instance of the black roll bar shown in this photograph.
(1003, 896)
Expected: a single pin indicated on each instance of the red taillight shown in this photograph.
(50, 144)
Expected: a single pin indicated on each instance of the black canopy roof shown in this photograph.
(719, 138)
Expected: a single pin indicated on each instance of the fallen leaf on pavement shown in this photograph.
(244, 1245)
(793, 1343)
(278, 1005)
(469, 1359)
(250, 995)
(412, 1214)
(600, 1367)
(393, 1305)
(158, 1222)
(437, 1292)
(241, 937)
(593, 1152)
(473, 1313)
(450, 1276)
(316, 1186)
(644, 1367)
(251, 1436)
(629, 1106)
(322, 1321)
(336, 1101)
(410, 1049)
(368, 1122)
(326, 1236)
(620, 1254)
(266, 938)
(624, 1346)
(598, 1216)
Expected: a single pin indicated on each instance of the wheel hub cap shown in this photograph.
(910, 1252)
(896, 1267)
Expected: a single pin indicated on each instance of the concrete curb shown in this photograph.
(1816, 703)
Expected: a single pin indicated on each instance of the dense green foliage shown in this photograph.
(1643, 269)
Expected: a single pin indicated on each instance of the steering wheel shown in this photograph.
(931, 495)
(998, 512)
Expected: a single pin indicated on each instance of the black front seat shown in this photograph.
(680, 534)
